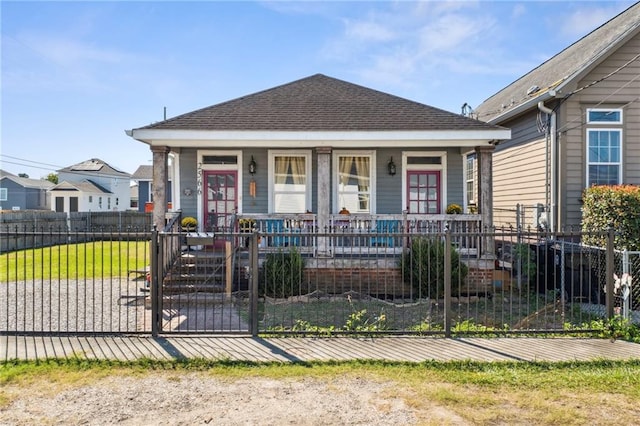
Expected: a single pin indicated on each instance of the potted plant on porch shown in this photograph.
(189, 224)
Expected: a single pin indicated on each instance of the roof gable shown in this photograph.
(320, 103)
(565, 67)
(86, 185)
(29, 183)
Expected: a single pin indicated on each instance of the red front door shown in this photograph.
(221, 200)
(423, 191)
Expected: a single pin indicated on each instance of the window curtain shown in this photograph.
(345, 170)
(281, 170)
(290, 167)
(362, 170)
(298, 170)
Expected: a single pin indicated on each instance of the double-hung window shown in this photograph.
(604, 146)
(470, 178)
(354, 182)
(291, 188)
(4, 194)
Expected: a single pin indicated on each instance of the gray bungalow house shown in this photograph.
(305, 151)
(575, 121)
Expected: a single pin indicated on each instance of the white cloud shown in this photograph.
(518, 11)
(584, 20)
(368, 31)
(70, 52)
(452, 31)
(403, 39)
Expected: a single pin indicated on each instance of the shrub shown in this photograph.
(283, 273)
(525, 262)
(423, 267)
(616, 207)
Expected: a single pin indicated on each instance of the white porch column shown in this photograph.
(324, 197)
(484, 156)
(160, 182)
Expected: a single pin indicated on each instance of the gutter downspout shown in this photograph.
(552, 188)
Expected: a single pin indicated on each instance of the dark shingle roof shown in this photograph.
(143, 173)
(564, 66)
(320, 103)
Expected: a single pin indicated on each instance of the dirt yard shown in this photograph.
(194, 398)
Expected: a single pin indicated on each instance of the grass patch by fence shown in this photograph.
(475, 316)
(73, 261)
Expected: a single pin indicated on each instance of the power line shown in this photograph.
(75, 172)
(28, 161)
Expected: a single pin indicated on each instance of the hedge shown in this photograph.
(616, 207)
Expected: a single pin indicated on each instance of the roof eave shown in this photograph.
(258, 138)
(523, 107)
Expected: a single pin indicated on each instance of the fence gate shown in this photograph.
(200, 283)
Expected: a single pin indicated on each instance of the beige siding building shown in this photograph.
(575, 122)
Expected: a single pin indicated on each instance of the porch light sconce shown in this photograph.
(252, 166)
(391, 166)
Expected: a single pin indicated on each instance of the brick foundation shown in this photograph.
(378, 281)
(480, 276)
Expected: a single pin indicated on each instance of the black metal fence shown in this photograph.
(74, 282)
(416, 283)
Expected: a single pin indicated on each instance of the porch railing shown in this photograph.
(365, 231)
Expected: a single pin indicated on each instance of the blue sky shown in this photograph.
(76, 74)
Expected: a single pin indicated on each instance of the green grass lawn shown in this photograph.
(75, 261)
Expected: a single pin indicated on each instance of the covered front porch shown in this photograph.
(350, 234)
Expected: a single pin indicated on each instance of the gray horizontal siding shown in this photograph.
(388, 188)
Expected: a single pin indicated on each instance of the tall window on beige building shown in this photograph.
(604, 146)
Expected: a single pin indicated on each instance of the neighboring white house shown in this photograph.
(92, 185)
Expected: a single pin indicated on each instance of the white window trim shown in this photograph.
(372, 189)
(465, 170)
(4, 194)
(204, 167)
(442, 167)
(307, 154)
(619, 164)
(606, 123)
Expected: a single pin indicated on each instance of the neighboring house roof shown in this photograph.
(564, 68)
(320, 103)
(29, 183)
(86, 185)
(95, 166)
(143, 173)
(5, 173)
